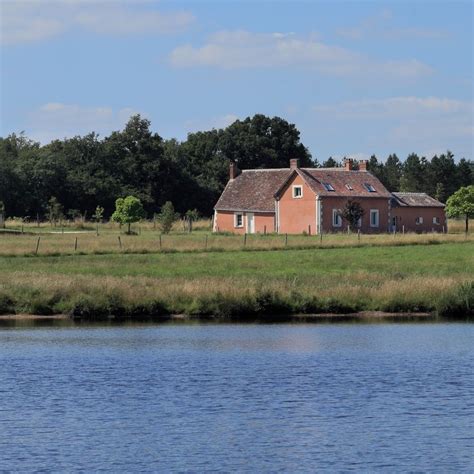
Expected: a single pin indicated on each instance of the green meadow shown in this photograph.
(243, 283)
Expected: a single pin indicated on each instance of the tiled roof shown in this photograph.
(341, 180)
(414, 200)
(253, 190)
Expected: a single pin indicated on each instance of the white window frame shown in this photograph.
(336, 218)
(295, 187)
(419, 220)
(374, 212)
(329, 187)
(349, 187)
(370, 188)
(236, 224)
(436, 221)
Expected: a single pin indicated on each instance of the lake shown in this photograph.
(247, 398)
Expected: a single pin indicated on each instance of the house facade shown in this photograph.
(298, 200)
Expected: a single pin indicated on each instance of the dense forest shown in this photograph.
(84, 172)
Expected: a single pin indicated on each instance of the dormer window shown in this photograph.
(369, 188)
(297, 192)
(328, 187)
(349, 187)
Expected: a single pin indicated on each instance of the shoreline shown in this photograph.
(362, 317)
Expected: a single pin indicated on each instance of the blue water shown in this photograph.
(247, 398)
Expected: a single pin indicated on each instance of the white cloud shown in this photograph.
(397, 107)
(30, 20)
(55, 120)
(378, 26)
(221, 121)
(417, 123)
(243, 49)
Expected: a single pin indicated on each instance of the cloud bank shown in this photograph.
(30, 20)
(243, 49)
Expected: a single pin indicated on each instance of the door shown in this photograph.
(250, 223)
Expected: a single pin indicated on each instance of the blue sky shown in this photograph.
(356, 78)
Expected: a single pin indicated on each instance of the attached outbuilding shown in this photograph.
(417, 212)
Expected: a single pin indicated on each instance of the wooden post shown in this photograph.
(120, 242)
(348, 230)
(403, 229)
(309, 229)
(286, 240)
(37, 245)
(75, 245)
(264, 230)
(97, 229)
(358, 235)
(245, 239)
(22, 228)
(160, 241)
(205, 245)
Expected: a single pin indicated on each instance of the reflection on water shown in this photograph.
(384, 397)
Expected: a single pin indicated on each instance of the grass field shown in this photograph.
(387, 274)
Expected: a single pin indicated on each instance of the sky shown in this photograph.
(356, 78)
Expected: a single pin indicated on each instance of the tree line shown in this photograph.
(78, 174)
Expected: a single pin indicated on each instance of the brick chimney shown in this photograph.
(348, 164)
(294, 163)
(233, 170)
(363, 165)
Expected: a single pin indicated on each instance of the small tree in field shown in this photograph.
(55, 210)
(191, 216)
(167, 217)
(461, 204)
(99, 214)
(352, 212)
(127, 211)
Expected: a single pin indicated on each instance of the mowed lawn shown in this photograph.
(422, 260)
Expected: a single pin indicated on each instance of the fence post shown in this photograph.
(160, 241)
(264, 230)
(37, 245)
(286, 240)
(75, 245)
(358, 235)
(245, 239)
(97, 229)
(309, 229)
(22, 228)
(205, 246)
(120, 242)
(403, 229)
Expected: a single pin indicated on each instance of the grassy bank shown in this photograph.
(243, 284)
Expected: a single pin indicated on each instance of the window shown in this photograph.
(336, 218)
(238, 219)
(349, 187)
(374, 218)
(369, 187)
(419, 220)
(328, 187)
(436, 220)
(297, 192)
